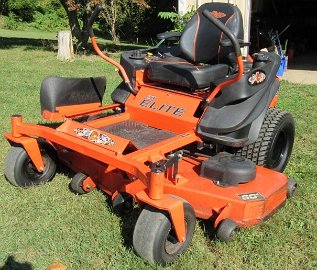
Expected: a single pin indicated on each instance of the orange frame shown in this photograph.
(108, 166)
(113, 170)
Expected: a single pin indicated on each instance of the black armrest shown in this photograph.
(169, 36)
(227, 43)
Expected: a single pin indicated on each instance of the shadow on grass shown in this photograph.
(28, 43)
(11, 264)
(127, 222)
(111, 47)
(51, 45)
(208, 228)
(65, 171)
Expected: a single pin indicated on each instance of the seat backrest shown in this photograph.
(200, 41)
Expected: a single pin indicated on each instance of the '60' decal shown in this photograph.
(251, 196)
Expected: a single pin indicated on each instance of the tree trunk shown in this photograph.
(3, 7)
(111, 18)
(85, 33)
(65, 46)
(113, 33)
(74, 26)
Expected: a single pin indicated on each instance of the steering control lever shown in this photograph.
(123, 73)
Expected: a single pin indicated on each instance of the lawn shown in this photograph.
(48, 40)
(39, 226)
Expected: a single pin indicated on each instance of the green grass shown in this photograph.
(28, 34)
(42, 225)
(48, 41)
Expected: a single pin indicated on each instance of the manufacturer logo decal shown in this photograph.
(218, 14)
(257, 78)
(251, 196)
(94, 136)
(151, 102)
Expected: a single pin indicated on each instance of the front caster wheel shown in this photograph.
(154, 238)
(226, 230)
(123, 203)
(20, 170)
(76, 185)
(291, 187)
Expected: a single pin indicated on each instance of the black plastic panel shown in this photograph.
(177, 71)
(120, 94)
(234, 118)
(228, 170)
(133, 61)
(59, 91)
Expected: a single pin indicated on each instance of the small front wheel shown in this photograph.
(123, 203)
(76, 185)
(226, 230)
(20, 170)
(154, 238)
(291, 187)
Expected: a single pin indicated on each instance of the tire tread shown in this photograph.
(258, 151)
(10, 163)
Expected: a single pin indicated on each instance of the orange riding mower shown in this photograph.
(193, 132)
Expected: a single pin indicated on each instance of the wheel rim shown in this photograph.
(232, 233)
(31, 173)
(280, 150)
(172, 246)
(292, 190)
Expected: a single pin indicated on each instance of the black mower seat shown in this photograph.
(202, 58)
(177, 71)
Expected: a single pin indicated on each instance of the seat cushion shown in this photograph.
(201, 40)
(177, 71)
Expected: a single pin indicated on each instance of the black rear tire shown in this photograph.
(154, 239)
(274, 145)
(20, 171)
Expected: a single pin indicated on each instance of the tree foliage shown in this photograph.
(112, 16)
(50, 16)
(24, 9)
(46, 15)
(122, 18)
(78, 12)
(177, 19)
(151, 24)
